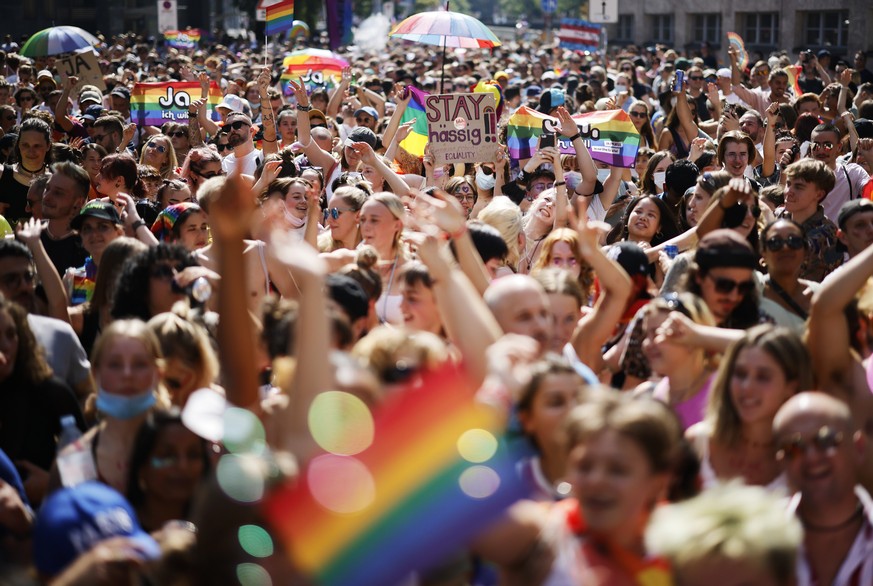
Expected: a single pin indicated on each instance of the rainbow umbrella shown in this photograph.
(316, 67)
(57, 40)
(447, 29)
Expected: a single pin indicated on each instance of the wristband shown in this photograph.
(459, 232)
(575, 136)
(559, 183)
(301, 108)
(137, 225)
(267, 140)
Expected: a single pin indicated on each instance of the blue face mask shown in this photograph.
(121, 407)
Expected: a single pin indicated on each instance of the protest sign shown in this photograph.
(83, 65)
(461, 128)
(153, 104)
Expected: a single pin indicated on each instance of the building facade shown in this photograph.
(840, 26)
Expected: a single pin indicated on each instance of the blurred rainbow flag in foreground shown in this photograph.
(414, 143)
(610, 135)
(153, 104)
(432, 474)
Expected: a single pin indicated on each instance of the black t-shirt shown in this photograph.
(64, 253)
(30, 419)
(15, 194)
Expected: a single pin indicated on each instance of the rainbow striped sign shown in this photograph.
(186, 39)
(414, 143)
(430, 474)
(610, 135)
(153, 104)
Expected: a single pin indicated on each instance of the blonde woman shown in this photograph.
(506, 217)
(381, 226)
(160, 154)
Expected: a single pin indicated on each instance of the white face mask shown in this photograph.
(603, 174)
(620, 88)
(659, 177)
(485, 182)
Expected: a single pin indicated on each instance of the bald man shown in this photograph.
(822, 456)
(521, 306)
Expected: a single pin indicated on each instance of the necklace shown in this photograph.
(841, 525)
(25, 171)
(48, 231)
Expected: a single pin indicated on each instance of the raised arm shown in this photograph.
(230, 218)
(48, 275)
(744, 93)
(738, 189)
(595, 328)
(206, 123)
(845, 115)
(134, 223)
(828, 328)
(769, 165)
(60, 110)
(394, 123)
(336, 98)
(195, 136)
(570, 129)
(268, 123)
(683, 110)
(316, 155)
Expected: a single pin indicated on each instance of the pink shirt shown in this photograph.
(689, 411)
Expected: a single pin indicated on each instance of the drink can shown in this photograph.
(672, 250)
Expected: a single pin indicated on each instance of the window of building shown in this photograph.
(707, 27)
(827, 28)
(625, 29)
(662, 28)
(761, 28)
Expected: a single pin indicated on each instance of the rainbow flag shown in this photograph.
(414, 143)
(610, 135)
(432, 476)
(736, 41)
(280, 17)
(579, 35)
(153, 104)
(793, 72)
(186, 39)
(318, 68)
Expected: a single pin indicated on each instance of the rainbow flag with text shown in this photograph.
(186, 39)
(610, 135)
(430, 474)
(153, 104)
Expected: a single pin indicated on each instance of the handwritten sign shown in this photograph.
(83, 65)
(461, 128)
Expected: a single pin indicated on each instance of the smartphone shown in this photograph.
(678, 80)
(353, 90)
(547, 140)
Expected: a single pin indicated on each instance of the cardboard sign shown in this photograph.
(461, 128)
(83, 65)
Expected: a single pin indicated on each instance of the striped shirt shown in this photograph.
(857, 567)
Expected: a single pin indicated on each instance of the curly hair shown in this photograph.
(131, 299)
(31, 367)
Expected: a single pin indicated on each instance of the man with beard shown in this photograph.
(240, 134)
(65, 194)
(760, 99)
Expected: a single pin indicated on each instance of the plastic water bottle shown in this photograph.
(75, 462)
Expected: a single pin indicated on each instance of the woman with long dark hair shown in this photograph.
(33, 157)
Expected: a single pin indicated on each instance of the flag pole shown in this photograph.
(443, 69)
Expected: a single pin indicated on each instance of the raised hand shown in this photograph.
(299, 89)
(568, 125)
(230, 214)
(403, 130)
(440, 210)
(264, 81)
(29, 232)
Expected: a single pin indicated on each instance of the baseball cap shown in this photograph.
(46, 74)
(533, 91)
(231, 102)
(630, 256)
(90, 96)
(725, 248)
(75, 519)
(369, 110)
(723, 72)
(851, 208)
(501, 75)
(361, 134)
(102, 210)
(551, 98)
(92, 113)
(121, 92)
(316, 113)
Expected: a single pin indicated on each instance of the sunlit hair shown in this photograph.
(506, 217)
(196, 161)
(735, 136)
(649, 423)
(571, 239)
(784, 346)
(386, 348)
(395, 206)
(732, 522)
(170, 163)
(183, 339)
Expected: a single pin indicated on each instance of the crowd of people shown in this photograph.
(682, 346)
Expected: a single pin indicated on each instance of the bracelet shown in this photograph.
(559, 183)
(459, 232)
(267, 140)
(575, 136)
(301, 108)
(137, 225)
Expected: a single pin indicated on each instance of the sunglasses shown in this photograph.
(335, 212)
(777, 243)
(725, 285)
(235, 126)
(695, 77)
(638, 114)
(486, 170)
(210, 175)
(223, 147)
(627, 68)
(178, 134)
(158, 147)
(824, 440)
(816, 146)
